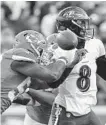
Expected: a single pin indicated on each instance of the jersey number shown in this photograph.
(83, 82)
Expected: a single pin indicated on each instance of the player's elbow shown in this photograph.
(18, 66)
(56, 76)
(13, 65)
(50, 102)
(52, 78)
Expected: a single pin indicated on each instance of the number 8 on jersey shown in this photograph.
(83, 82)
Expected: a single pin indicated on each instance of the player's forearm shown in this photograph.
(33, 70)
(57, 68)
(61, 79)
(38, 84)
(101, 67)
(41, 96)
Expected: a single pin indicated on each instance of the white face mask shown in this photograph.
(46, 57)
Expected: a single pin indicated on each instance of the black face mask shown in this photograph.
(81, 43)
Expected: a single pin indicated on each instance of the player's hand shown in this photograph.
(22, 86)
(19, 89)
(22, 99)
(79, 54)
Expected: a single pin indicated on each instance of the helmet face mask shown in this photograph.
(75, 19)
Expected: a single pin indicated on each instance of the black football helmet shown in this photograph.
(75, 19)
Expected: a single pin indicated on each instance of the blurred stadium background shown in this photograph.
(40, 16)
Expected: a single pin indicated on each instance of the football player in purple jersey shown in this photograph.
(39, 114)
(77, 93)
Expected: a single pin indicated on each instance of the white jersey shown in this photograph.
(78, 92)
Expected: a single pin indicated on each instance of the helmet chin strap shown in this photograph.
(32, 46)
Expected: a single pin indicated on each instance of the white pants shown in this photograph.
(29, 121)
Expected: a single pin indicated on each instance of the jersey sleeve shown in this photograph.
(101, 48)
(23, 55)
(96, 47)
(59, 53)
(48, 73)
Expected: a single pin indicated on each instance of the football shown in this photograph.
(67, 40)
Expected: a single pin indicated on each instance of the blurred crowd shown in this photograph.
(17, 16)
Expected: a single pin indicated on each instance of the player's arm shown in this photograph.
(25, 63)
(41, 96)
(61, 79)
(77, 57)
(22, 99)
(48, 73)
(38, 84)
(101, 66)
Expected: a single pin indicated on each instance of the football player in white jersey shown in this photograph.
(77, 94)
(39, 114)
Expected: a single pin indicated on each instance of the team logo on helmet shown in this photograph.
(30, 39)
(77, 20)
